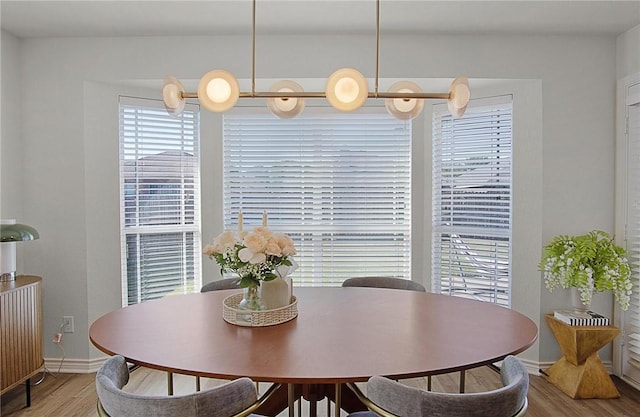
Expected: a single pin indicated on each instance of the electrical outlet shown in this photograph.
(67, 324)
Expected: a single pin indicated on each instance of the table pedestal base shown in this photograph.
(589, 380)
(312, 393)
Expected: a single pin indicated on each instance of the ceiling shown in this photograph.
(27, 19)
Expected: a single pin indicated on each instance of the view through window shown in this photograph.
(160, 200)
(471, 235)
(338, 184)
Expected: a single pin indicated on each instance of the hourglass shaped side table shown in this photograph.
(580, 372)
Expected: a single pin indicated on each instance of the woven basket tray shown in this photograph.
(250, 318)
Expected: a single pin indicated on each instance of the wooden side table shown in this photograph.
(580, 372)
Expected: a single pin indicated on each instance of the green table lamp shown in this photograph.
(10, 233)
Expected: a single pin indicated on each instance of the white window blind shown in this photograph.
(631, 350)
(471, 231)
(338, 184)
(159, 201)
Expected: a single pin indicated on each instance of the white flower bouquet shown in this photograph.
(260, 255)
(591, 263)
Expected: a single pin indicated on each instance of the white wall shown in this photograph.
(12, 158)
(70, 189)
(628, 53)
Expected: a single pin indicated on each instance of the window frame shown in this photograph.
(252, 217)
(628, 98)
(190, 232)
(481, 243)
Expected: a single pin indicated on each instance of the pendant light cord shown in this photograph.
(253, 51)
(377, 46)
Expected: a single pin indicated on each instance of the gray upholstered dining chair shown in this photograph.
(233, 399)
(384, 282)
(221, 284)
(389, 398)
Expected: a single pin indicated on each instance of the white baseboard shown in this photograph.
(631, 382)
(73, 366)
(534, 367)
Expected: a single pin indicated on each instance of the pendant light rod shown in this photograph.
(253, 49)
(375, 87)
(322, 94)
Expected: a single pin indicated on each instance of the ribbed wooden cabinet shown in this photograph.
(20, 331)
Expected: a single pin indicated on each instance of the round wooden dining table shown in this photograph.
(340, 335)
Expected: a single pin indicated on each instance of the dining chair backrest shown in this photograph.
(384, 282)
(401, 400)
(224, 400)
(221, 284)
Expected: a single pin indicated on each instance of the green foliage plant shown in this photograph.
(591, 263)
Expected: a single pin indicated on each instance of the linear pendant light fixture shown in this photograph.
(346, 90)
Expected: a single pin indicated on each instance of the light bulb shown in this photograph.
(405, 105)
(286, 107)
(401, 108)
(346, 89)
(286, 103)
(218, 90)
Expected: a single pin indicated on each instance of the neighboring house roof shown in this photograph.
(161, 166)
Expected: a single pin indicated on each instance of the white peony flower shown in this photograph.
(253, 256)
(245, 254)
(258, 258)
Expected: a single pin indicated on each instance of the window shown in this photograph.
(631, 346)
(160, 200)
(338, 184)
(471, 234)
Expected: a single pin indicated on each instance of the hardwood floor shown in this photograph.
(65, 395)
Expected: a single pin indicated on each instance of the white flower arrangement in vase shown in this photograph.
(591, 263)
(260, 255)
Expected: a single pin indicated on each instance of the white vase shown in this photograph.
(276, 293)
(576, 302)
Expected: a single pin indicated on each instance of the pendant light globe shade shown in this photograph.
(172, 90)
(286, 107)
(402, 108)
(459, 96)
(218, 90)
(347, 89)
